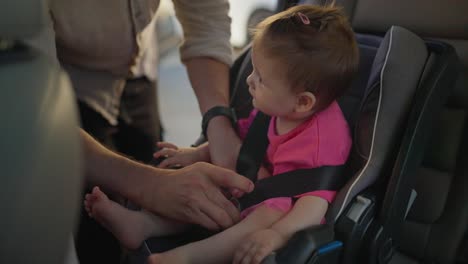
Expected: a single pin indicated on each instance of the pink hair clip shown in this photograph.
(303, 18)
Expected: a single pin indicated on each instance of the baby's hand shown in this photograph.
(258, 246)
(176, 157)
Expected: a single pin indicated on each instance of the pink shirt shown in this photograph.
(322, 140)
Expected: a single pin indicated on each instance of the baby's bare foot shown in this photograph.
(126, 225)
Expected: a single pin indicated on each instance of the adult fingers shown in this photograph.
(229, 179)
(201, 218)
(162, 144)
(217, 197)
(215, 212)
(236, 192)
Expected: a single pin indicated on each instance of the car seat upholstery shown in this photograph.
(39, 144)
(436, 226)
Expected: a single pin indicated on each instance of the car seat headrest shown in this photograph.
(393, 80)
(437, 18)
(21, 18)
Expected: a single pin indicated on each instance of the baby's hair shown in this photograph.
(317, 47)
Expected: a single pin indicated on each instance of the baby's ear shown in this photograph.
(305, 102)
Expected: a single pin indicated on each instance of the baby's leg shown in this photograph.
(221, 247)
(131, 228)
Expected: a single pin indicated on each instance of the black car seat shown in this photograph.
(435, 229)
(381, 117)
(39, 145)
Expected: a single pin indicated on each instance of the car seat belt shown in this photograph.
(254, 147)
(287, 184)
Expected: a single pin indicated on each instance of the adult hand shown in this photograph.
(193, 194)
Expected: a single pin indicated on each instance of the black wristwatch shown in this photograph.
(217, 111)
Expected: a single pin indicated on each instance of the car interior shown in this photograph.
(405, 199)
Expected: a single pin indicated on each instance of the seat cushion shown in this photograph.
(438, 219)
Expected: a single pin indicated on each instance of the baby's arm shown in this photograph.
(175, 156)
(307, 211)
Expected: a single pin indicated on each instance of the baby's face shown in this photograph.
(270, 90)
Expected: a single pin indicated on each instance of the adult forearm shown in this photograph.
(210, 81)
(191, 194)
(113, 171)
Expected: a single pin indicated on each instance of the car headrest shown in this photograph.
(21, 18)
(437, 18)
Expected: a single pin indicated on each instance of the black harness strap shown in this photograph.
(294, 183)
(254, 147)
(287, 184)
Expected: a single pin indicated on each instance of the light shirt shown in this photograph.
(101, 43)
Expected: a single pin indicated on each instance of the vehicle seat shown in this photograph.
(436, 227)
(435, 230)
(39, 144)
